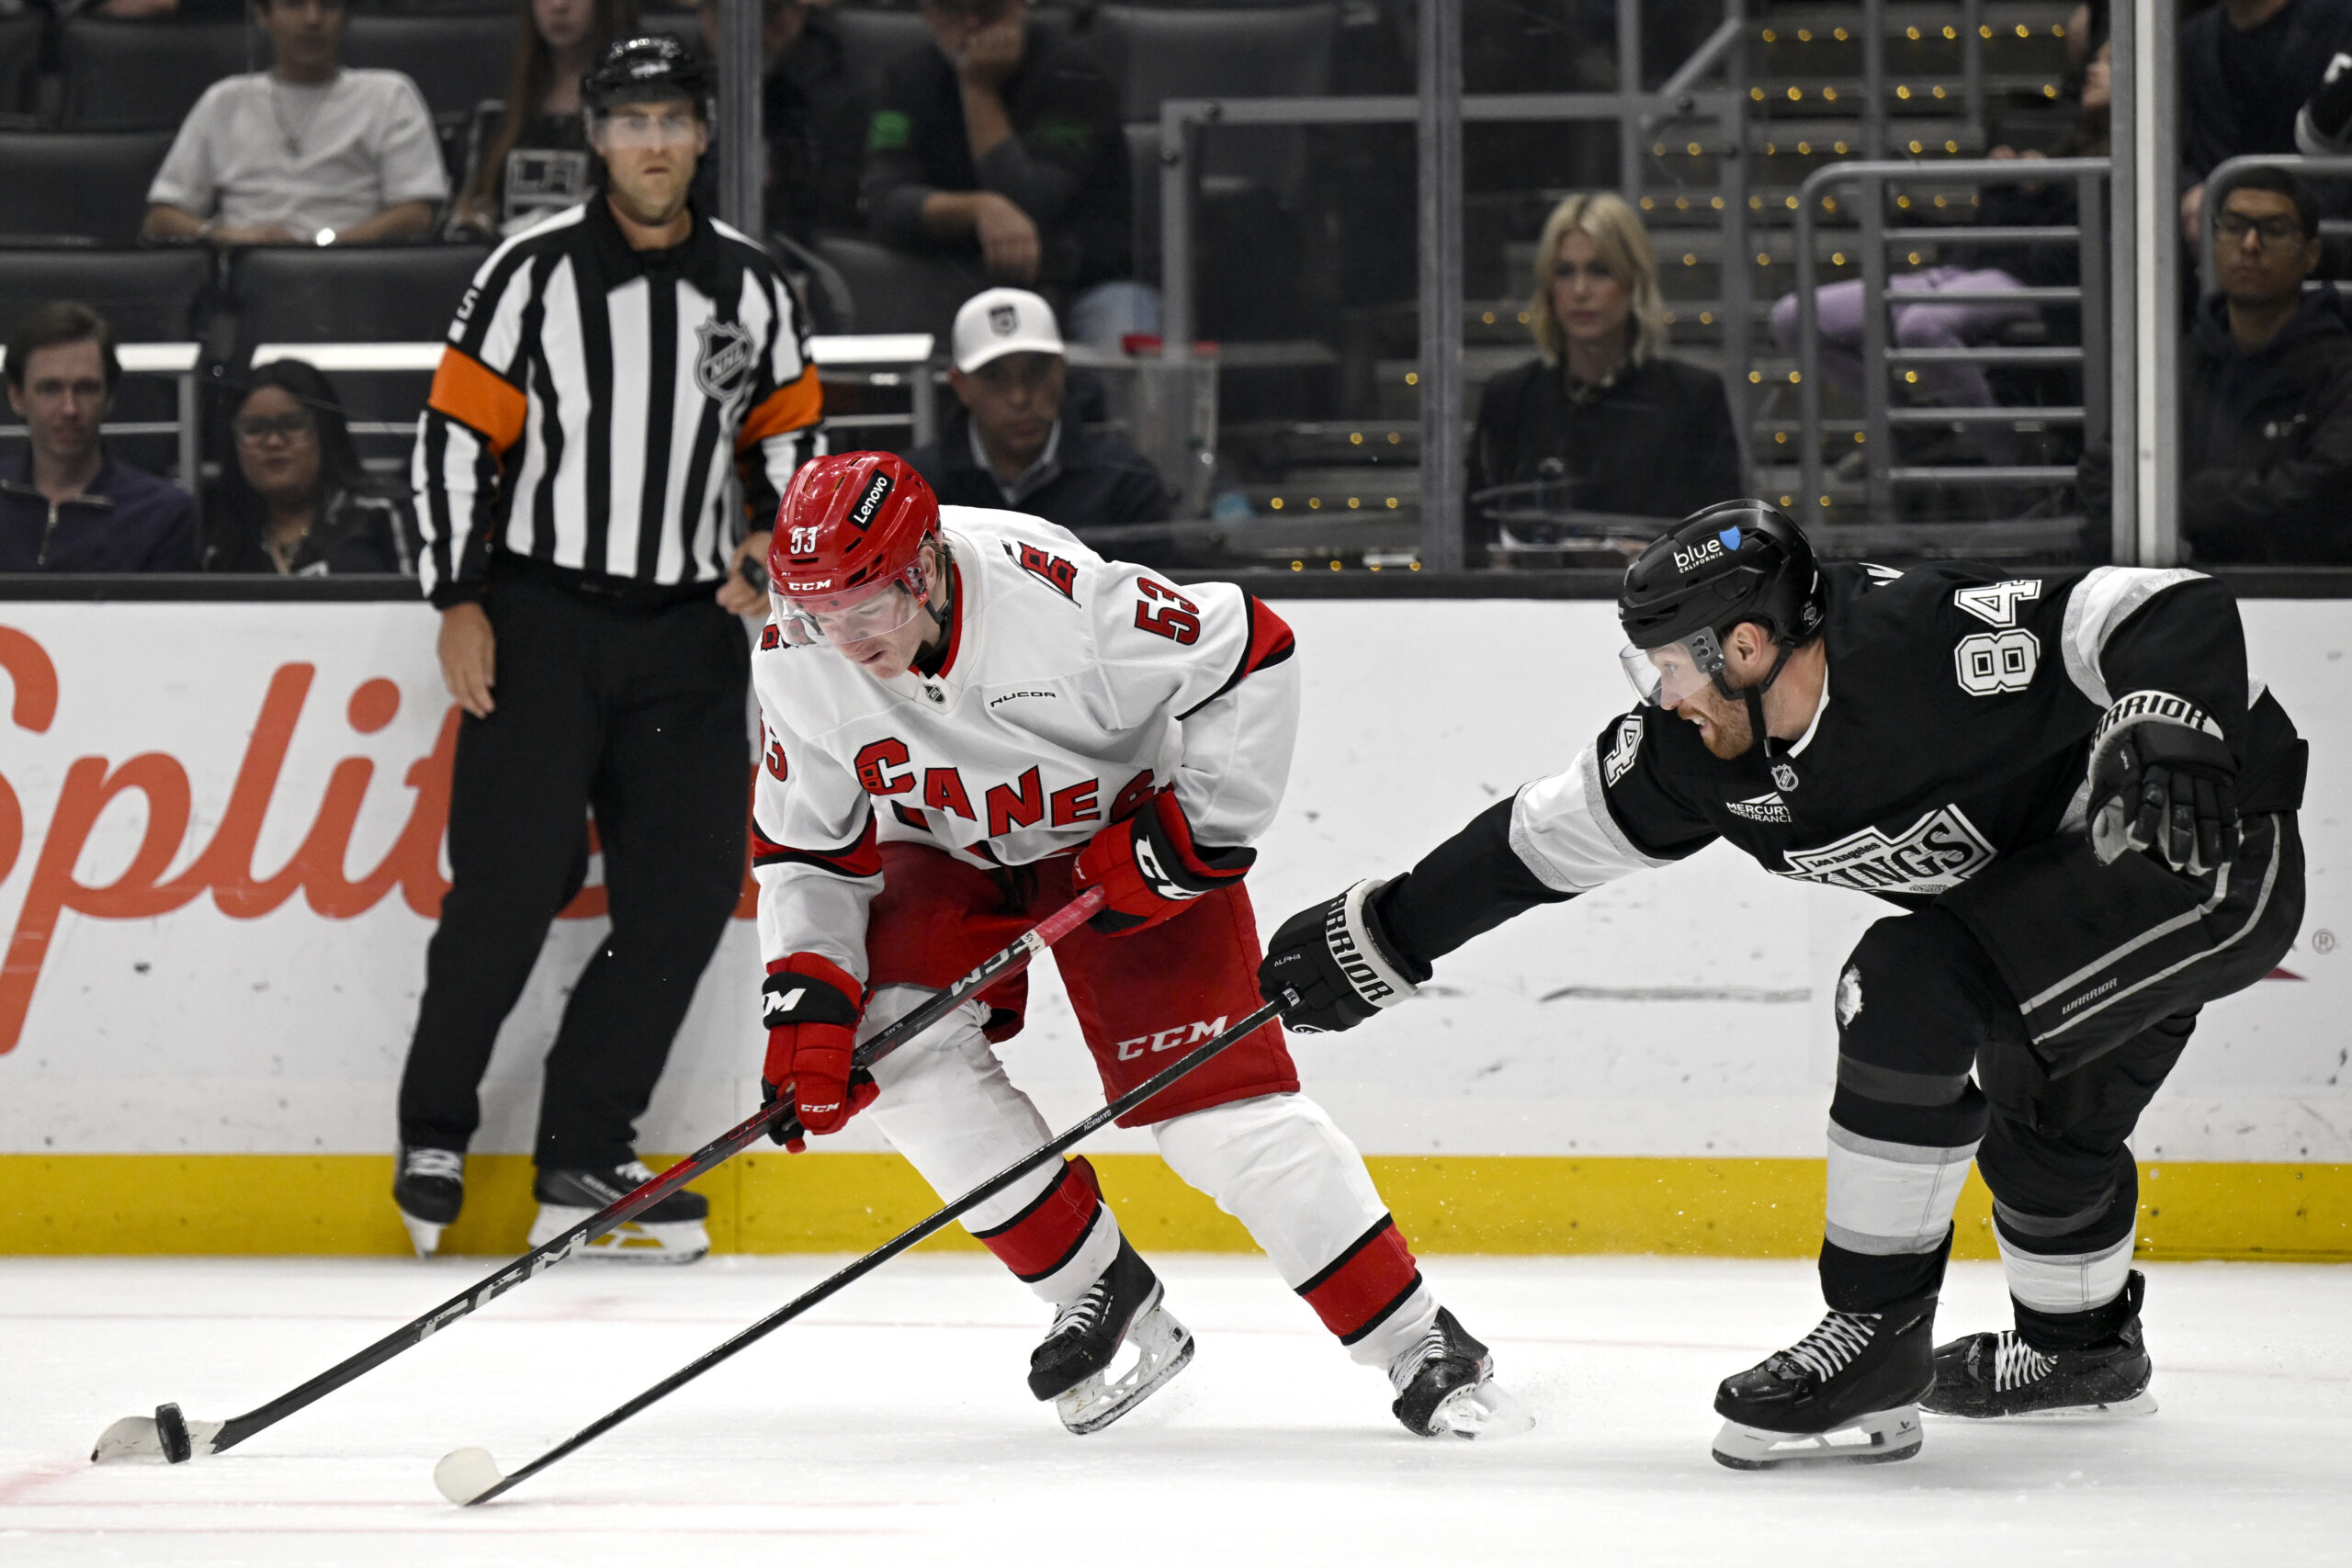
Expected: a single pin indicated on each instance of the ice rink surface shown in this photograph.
(892, 1425)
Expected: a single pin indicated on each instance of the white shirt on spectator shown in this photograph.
(257, 151)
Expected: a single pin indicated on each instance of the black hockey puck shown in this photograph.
(171, 1427)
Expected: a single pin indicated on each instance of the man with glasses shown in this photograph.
(66, 504)
(1012, 447)
(2266, 389)
(303, 154)
(613, 376)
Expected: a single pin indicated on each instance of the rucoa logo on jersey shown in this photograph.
(723, 363)
(1766, 807)
(1934, 854)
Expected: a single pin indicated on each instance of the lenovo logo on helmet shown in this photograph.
(869, 506)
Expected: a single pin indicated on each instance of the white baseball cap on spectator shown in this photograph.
(998, 321)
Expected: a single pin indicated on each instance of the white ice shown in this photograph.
(892, 1425)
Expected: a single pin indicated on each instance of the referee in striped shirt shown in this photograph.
(609, 373)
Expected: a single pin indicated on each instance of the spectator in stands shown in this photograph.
(527, 153)
(812, 113)
(1011, 445)
(65, 505)
(2266, 458)
(305, 153)
(998, 145)
(1601, 415)
(297, 501)
(1838, 307)
(2246, 67)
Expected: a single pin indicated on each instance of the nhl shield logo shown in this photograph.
(1784, 776)
(723, 363)
(1003, 319)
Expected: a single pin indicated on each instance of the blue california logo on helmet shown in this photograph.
(1730, 536)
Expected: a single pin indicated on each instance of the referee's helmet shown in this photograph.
(646, 69)
(852, 524)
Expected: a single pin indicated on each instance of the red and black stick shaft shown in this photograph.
(1193, 1060)
(1035, 941)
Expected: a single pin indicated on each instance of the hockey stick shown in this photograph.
(467, 1476)
(178, 1439)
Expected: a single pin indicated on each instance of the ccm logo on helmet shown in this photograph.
(877, 491)
(1360, 974)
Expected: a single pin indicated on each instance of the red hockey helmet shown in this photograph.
(846, 556)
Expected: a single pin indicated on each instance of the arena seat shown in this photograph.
(897, 293)
(21, 41)
(77, 187)
(147, 295)
(455, 61)
(1271, 52)
(147, 75)
(363, 293)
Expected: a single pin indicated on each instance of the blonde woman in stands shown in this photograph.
(1600, 413)
(527, 153)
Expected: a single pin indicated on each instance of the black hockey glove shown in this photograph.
(2162, 780)
(1331, 967)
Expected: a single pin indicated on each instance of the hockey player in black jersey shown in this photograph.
(2085, 806)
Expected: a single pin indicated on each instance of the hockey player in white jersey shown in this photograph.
(970, 719)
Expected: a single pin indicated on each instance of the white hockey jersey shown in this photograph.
(1072, 687)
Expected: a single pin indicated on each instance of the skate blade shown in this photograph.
(140, 1437)
(2139, 1405)
(1880, 1438)
(1163, 1347)
(423, 1235)
(1480, 1410)
(632, 1241)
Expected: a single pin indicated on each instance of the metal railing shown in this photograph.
(1182, 119)
(1876, 113)
(1871, 176)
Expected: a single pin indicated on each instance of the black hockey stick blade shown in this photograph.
(168, 1435)
(467, 1476)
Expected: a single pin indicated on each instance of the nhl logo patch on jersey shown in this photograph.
(1784, 776)
(723, 362)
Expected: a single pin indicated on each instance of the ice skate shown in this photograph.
(1989, 1376)
(1072, 1365)
(670, 1232)
(1445, 1387)
(1847, 1393)
(429, 1185)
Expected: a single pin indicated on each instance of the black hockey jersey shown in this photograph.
(1954, 727)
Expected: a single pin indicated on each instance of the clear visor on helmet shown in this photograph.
(859, 616)
(1663, 676)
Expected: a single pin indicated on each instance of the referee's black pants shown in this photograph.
(2024, 1021)
(638, 713)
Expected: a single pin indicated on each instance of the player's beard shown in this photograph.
(1727, 734)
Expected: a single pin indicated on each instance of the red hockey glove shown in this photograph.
(812, 1006)
(1148, 867)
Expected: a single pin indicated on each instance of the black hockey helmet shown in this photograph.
(1739, 560)
(647, 70)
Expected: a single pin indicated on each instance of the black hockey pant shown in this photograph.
(640, 714)
(2071, 989)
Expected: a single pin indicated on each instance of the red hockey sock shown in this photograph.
(1357, 1291)
(1048, 1233)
